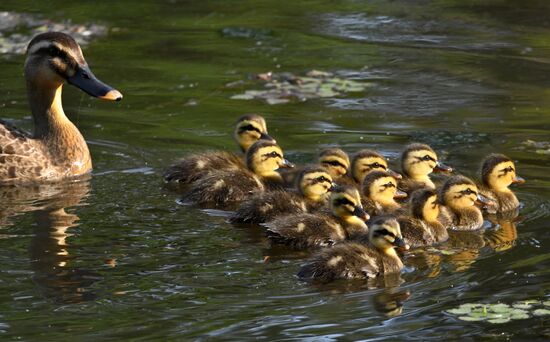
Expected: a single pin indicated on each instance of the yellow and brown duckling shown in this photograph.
(226, 187)
(498, 172)
(379, 191)
(249, 129)
(364, 162)
(422, 227)
(312, 190)
(353, 260)
(345, 220)
(56, 150)
(418, 161)
(334, 160)
(460, 196)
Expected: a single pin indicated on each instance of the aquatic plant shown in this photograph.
(500, 313)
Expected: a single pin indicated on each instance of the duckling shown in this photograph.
(418, 161)
(334, 160)
(249, 129)
(379, 191)
(460, 195)
(56, 150)
(346, 220)
(312, 188)
(225, 187)
(364, 162)
(422, 227)
(353, 260)
(498, 172)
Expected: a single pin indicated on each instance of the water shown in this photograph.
(115, 257)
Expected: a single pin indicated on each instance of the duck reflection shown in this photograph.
(51, 260)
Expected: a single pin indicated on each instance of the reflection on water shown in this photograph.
(52, 263)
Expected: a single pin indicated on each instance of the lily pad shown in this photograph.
(541, 312)
(472, 319)
(499, 320)
(459, 311)
(500, 308)
(546, 303)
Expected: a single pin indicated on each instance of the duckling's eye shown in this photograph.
(383, 232)
(508, 169)
(389, 185)
(333, 163)
(469, 192)
(248, 128)
(377, 165)
(427, 158)
(343, 201)
(322, 179)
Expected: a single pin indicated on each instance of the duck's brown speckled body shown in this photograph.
(56, 150)
(345, 220)
(352, 260)
(313, 185)
(249, 129)
(459, 195)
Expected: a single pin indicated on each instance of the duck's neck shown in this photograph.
(423, 178)
(60, 136)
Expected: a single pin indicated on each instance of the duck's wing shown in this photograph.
(20, 157)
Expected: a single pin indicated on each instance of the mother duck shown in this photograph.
(56, 150)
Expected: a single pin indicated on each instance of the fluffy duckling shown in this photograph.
(364, 162)
(422, 227)
(334, 160)
(418, 161)
(346, 220)
(460, 195)
(312, 188)
(249, 129)
(379, 191)
(225, 187)
(56, 150)
(352, 260)
(498, 172)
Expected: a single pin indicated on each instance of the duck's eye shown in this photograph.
(322, 179)
(427, 158)
(275, 154)
(333, 163)
(508, 169)
(343, 201)
(377, 165)
(248, 128)
(469, 192)
(389, 185)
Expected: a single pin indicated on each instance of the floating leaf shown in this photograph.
(519, 316)
(472, 319)
(500, 308)
(546, 303)
(526, 304)
(499, 320)
(541, 312)
(459, 311)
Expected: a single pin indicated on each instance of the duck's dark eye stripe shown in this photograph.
(377, 166)
(383, 232)
(248, 128)
(389, 185)
(343, 201)
(333, 163)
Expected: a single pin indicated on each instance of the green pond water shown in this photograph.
(117, 258)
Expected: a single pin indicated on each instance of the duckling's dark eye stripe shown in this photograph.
(506, 170)
(248, 128)
(272, 155)
(383, 232)
(343, 201)
(389, 185)
(468, 192)
(333, 163)
(377, 166)
(321, 179)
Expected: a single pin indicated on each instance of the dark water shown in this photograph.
(115, 257)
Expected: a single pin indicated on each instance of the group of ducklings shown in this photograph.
(359, 210)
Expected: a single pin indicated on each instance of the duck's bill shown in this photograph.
(518, 180)
(394, 174)
(361, 213)
(286, 164)
(483, 201)
(332, 186)
(265, 136)
(440, 167)
(84, 79)
(400, 244)
(400, 194)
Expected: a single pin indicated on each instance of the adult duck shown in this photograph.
(56, 150)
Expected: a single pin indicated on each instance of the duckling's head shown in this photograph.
(345, 203)
(249, 129)
(265, 157)
(498, 172)
(314, 182)
(367, 161)
(459, 192)
(385, 234)
(54, 58)
(424, 205)
(381, 188)
(335, 161)
(419, 160)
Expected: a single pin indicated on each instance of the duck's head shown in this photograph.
(265, 157)
(335, 161)
(385, 234)
(345, 203)
(498, 172)
(381, 188)
(315, 182)
(425, 205)
(249, 129)
(367, 161)
(459, 193)
(54, 58)
(419, 160)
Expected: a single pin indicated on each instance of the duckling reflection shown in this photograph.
(389, 302)
(50, 256)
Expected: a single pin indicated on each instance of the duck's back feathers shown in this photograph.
(199, 165)
(266, 206)
(305, 230)
(499, 201)
(223, 189)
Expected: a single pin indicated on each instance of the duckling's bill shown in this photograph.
(84, 79)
